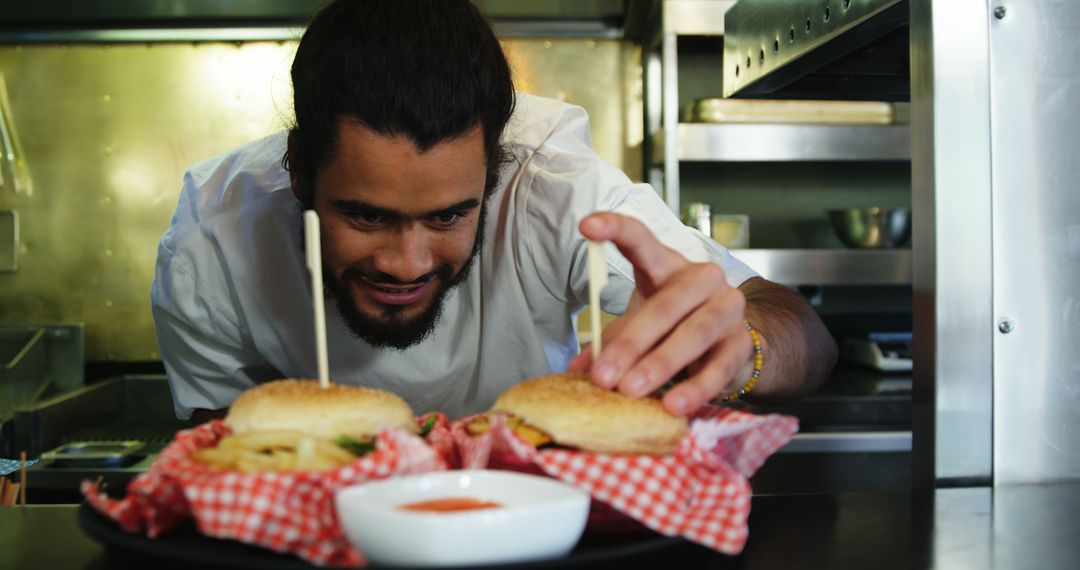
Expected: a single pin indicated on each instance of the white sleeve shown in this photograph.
(207, 357)
(569, 181)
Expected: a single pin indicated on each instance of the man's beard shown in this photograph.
(392, 329)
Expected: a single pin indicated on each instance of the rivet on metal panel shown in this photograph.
(827, 14)
(107, 150)
(106, 98)
(809, 25)
(847, 4)
(999, 12)
(1006, 326)
(791, 35)
(761, 57)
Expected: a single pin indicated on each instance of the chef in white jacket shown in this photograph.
(454, 215)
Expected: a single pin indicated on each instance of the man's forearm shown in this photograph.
(799, 352)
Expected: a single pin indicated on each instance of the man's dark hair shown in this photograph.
(428, 70)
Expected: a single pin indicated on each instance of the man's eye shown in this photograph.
(448, 219)
(367, 219)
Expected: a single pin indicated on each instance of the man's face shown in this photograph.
(400, 228)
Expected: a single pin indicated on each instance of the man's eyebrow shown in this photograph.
(363, 208)
(459, 208)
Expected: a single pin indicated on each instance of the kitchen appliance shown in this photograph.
(885, 351)
(111, 429)
(93, 453)
(38, 360)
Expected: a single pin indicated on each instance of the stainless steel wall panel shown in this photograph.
(108, 131)
(1035, 87)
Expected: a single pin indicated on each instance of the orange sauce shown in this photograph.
(450, 504)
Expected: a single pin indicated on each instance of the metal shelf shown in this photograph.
(710, 142)
(830, 266)
(851, 49)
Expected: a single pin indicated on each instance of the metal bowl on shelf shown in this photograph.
(870, 228)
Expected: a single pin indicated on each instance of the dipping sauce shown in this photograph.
(450, 505)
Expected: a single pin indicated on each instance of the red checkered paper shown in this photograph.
(283, 511)
(700, 491)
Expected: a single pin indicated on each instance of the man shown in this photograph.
(454, 217)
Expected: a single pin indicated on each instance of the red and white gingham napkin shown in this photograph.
(700, 491)
(283, 511)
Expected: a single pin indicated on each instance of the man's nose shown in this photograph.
(406, 256)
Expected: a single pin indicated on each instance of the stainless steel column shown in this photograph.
(951, 242)
(1035, 126)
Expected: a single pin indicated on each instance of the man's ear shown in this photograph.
(299, 190)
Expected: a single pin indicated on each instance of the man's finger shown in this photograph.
(707, 326)
(715, 379)
(637, 243)
(583, 362)
(656, 318)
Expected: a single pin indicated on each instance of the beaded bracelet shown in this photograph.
(758, 360)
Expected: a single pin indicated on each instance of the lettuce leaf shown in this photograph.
(428, 424)
(357, 447)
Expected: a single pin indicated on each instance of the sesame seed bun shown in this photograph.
(302, 405)
(578, 413)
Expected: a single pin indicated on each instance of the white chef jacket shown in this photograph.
(231, 298)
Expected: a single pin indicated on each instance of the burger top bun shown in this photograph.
(578, 413)
(302, 405)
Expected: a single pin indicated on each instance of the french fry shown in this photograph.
(263, 440)
(332, 451)
(221, 458)
(274, 451)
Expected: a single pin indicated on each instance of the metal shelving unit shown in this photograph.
(830, 266)
(670, 143)
(991, 85)
(705, 142)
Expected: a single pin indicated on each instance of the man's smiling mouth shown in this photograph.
(397, 295)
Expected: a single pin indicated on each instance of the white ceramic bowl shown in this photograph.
(538, 518)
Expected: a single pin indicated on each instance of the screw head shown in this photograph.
(1006, 326)
(999, 12)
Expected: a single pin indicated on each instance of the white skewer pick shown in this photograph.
(597, 279)
(313, 247)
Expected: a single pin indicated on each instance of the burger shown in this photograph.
(569, 410)
(291, 425)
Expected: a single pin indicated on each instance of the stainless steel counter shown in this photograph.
(1011, 527)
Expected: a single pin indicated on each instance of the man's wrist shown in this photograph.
(747, 376)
